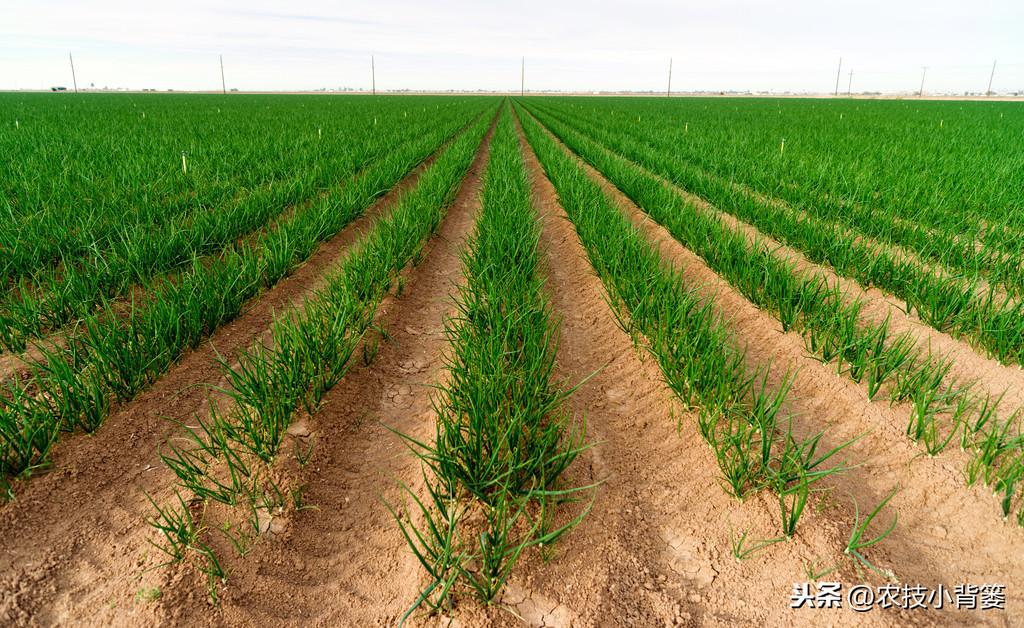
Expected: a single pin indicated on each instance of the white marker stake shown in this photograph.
(17, 124)
(319, 134)
(184, 165)
(782, 146)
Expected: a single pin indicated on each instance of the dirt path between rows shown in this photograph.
(74, 543)
(12, 364)
(948, 533)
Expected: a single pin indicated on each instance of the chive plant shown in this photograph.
(859, 539)
(75, 179)
(503, 438)
(948, 249)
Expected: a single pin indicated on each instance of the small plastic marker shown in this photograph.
(319, 133)
(184, 165)
(782, 146)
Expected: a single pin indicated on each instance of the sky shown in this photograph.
(575, 45)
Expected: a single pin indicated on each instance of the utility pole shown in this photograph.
(373, 75)
(668, 92)
(988, 92)
(924, 70)
(838, 72)
(223, 83)
(849, 86)
(522, 77)
(73, 79)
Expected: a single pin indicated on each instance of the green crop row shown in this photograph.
(113, 356)
(992, 322)
(503, 439)
(56, 295)
(831, 325)
(229, 458)
(738, 415)
(76, 173)
(952, 242)
(959, 254)
(951, 167)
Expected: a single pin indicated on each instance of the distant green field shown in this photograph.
(77, 171)
(945, 164)
(135, 225)
(921, 199)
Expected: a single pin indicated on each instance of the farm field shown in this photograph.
(545, 361)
